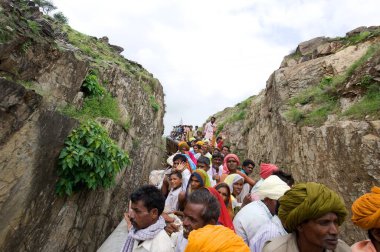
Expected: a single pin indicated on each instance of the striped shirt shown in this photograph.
(267, 231)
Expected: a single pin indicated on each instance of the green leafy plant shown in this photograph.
(91, 85)
(90, 159)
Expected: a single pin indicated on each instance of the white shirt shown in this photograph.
(220, 171)
(181, 243)
(250, 218)
(171, 202)
(160, 243)
(212, 181)
(185, 178)
(209, 130)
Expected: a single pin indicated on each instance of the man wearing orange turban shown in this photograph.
(201, 215)
(366, 215)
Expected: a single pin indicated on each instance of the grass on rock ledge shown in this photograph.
(324, 97)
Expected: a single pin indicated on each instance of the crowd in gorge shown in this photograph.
(208, 200)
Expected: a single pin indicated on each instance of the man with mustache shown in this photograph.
(147, 233)
(201, 229)
(312, 214)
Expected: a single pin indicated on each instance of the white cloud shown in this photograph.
(212, 54)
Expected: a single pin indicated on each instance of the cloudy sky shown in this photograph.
(212, 54)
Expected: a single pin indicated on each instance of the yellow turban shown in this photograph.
(201, 143)
(182, 145)
(366, 210)
(215, 238)
(306, 201)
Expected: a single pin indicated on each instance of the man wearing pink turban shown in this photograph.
(265, 171)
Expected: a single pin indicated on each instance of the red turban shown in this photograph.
(267, 169)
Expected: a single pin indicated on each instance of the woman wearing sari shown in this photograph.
(224, 191)
(199, 179)
(235, 183)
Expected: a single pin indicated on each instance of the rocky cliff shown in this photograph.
(43, 64)
(318, 117)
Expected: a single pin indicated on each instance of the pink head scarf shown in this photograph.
(267, 169)
(233, 156)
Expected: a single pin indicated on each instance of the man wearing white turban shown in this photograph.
(251, 217)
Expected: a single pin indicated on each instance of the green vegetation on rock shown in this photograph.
(103, 56)
(91, 85)
(323, 98)
(359, 37)
(96, 103)
(369, 104)
(154, 104)
(238, 113)
(90, 159)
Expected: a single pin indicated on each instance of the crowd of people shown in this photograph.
(186, 132)
(208, 201)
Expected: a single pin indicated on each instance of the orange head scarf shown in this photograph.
(229, 156)
(366, 210)
(215, 238)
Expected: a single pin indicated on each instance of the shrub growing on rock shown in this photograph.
(90, 159)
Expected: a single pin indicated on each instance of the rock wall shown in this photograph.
(36, 82)
(343, 154)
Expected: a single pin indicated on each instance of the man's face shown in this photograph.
(321, 233)
(196, 150)
(225, 151)
(194, 183)
(177, 162)
(248, 169)
(216, 162)
(212, 119)
(203, 166)
(140, 217)
(192, 218)
(205, 148)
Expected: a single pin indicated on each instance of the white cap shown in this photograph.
(272, 187)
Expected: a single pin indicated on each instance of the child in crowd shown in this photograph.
(171, 203)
